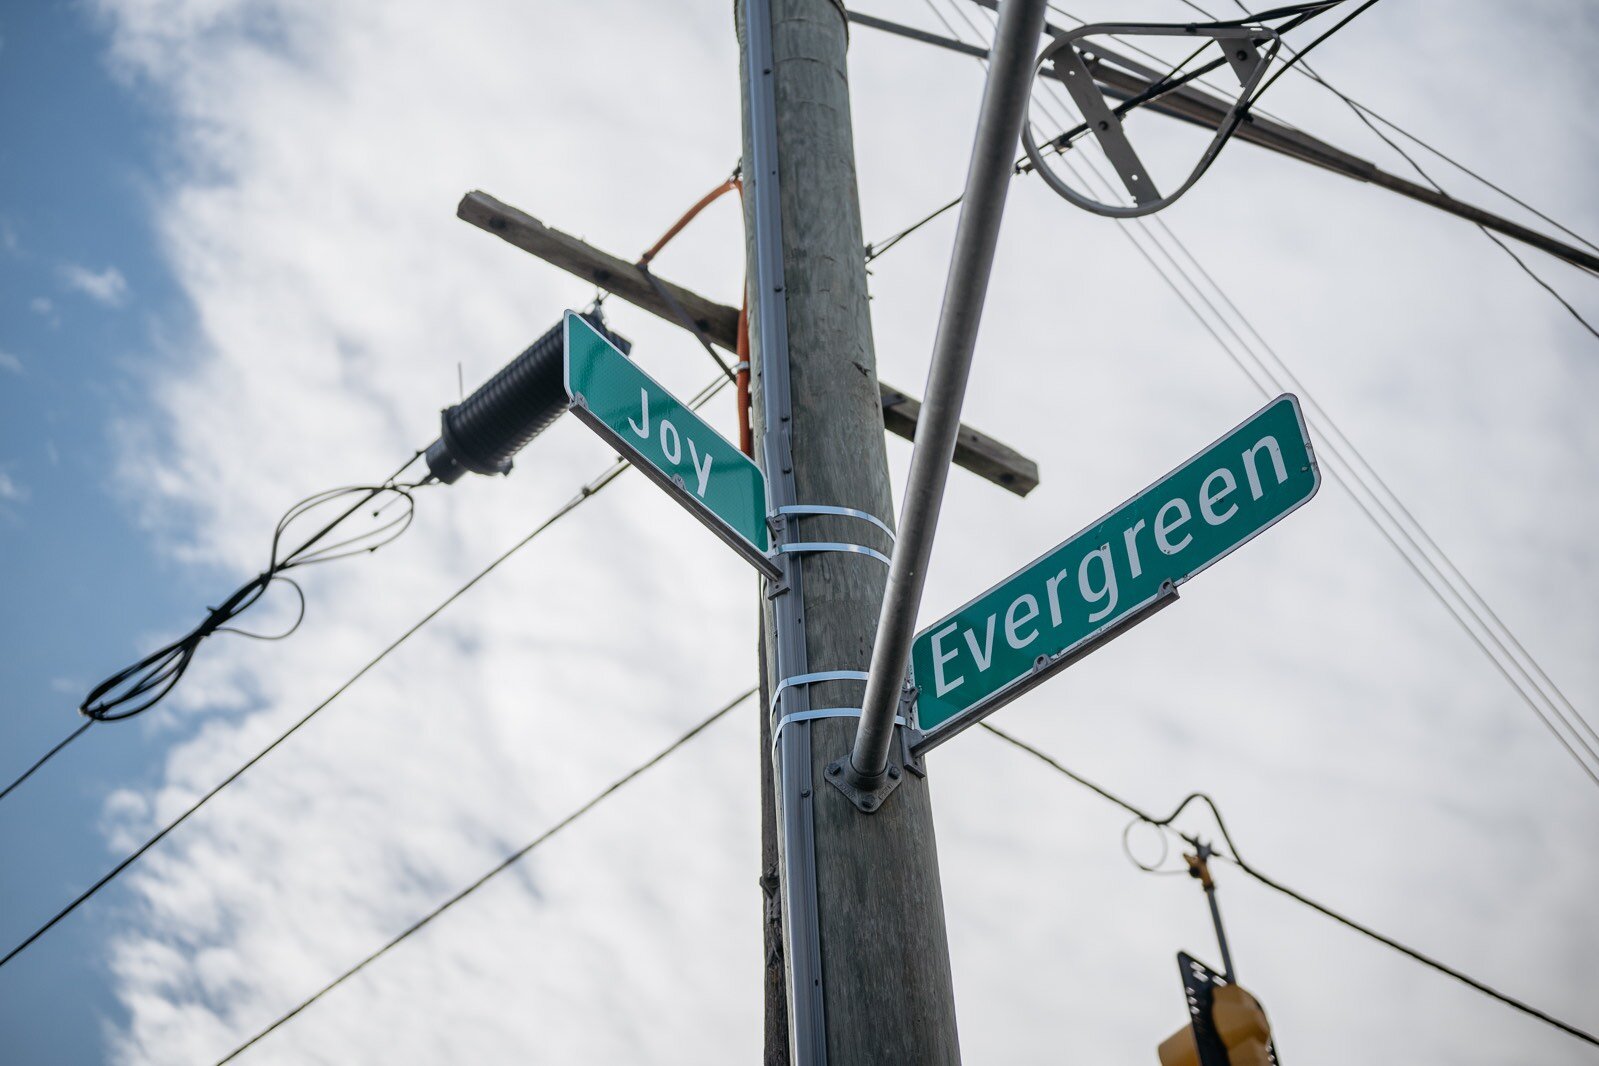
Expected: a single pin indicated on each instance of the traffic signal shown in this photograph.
(1227, 1025)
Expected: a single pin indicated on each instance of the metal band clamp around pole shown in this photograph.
(813, 678)
(813, 546)
(843, 512)
(813, 715)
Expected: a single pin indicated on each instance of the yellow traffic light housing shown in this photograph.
(1241, 1026)
(1227, 1026)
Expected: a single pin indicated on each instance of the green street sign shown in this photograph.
(667, 441)
(1112, 575)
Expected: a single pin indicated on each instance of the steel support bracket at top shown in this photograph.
(1070, 59)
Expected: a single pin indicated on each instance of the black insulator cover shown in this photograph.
(483, 431)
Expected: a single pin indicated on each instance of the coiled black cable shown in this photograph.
(139, 687)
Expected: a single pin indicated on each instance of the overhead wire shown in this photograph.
(1258, 875)
(1132, 45)
(1305, 71)
(1361, 112)
(46, 757)
(1348, 476)
(498, 868)
(1538, 698)
(1295, 57)
(583, 494)
(139, 687)
(150, 679)
(156, 674)
(1302, 69)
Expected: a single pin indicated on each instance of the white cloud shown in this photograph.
(1358, 745)
(10, 363)
(105, 287)
(41, 305)
(10, 490)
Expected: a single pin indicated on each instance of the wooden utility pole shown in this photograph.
(864, 941)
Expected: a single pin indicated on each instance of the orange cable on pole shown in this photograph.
(746, 436)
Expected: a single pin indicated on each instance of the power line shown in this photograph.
(583, 494)
(1277, 886)
(1305, 70)
(1351, 475)
(1360, 112)
(1295, 58)
(498, 868)
(1589, 757)
(148, 681)
(46, 757)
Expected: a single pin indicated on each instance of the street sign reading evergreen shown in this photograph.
(667, 441)
(1113, 574)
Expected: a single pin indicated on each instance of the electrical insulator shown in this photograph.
(483, 431)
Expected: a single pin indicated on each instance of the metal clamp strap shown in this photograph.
(834, 546)
(819, 712)
(845, 512)
(812, 678)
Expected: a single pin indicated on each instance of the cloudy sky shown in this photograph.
(231, 276)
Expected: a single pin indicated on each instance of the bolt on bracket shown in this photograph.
(868, 800)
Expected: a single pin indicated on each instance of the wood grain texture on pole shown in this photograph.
(774, 986)
(981, 454)
(884, 951)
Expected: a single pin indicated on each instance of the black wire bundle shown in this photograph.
(140, 686)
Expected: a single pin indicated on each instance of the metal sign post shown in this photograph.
(1112, 575)
(863, 774)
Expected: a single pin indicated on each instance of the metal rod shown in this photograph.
(1192, 105)
(1221, 934)
(801, 921)
(999, 123)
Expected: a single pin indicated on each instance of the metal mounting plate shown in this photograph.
(868, 800)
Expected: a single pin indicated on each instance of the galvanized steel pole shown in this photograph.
(1010, 78)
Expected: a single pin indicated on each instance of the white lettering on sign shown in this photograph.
(1251, 467)
(703, 473)
(940, 657)
(1015, 619)
(1208, 500)
(1130, 536)
(643, 432)
(983, 655)
(1107, 587)
(1096, 572)
(1163, 528)
(672, 443)
(671, 447)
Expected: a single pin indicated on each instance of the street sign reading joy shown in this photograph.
(1112, 574)
(667, 441)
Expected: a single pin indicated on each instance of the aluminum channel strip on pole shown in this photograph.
(999, 124)
(803, 948)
